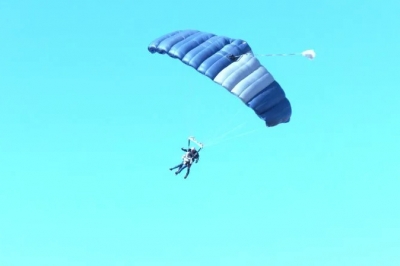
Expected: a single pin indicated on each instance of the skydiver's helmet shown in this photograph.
(193, 149)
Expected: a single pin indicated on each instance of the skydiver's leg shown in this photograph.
(179, 165)
(187, 172)
(180, 169)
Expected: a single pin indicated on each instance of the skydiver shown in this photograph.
(188, 158)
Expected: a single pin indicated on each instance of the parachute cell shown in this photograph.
(230, 63)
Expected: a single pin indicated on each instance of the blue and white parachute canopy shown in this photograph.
(232, 64)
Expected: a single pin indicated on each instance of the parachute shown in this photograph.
(230, 63)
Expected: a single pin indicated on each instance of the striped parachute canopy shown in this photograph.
(231, 64)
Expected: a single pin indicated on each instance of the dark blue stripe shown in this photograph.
(271, 105)
(166, 44)
(279, 113)
(197, 56)
(153, 47)
(180, 49)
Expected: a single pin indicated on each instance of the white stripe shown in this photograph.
(243, 84)
(222, 76)
(257, 86)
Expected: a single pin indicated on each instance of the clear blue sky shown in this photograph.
(91, 122)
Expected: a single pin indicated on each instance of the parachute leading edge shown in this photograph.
(230, 63)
